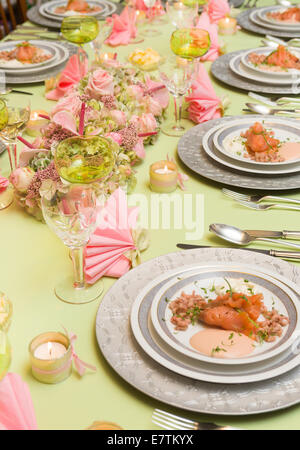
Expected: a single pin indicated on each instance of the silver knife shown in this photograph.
(276, 253)
(274, 234)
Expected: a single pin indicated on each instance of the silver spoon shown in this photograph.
(240, 237)
(263, 109)
(285, 3)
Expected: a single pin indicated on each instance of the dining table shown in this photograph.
(33, 259)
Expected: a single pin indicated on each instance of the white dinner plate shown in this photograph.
(61, 55)
(262, 14)
(47, 9)
(157, 349)
(237, 67)
(290, 74)
(284, 131)
(268, 169)
(276, 27)
(202, 282)
(8, 46)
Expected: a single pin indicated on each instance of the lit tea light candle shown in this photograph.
(227, 25)
(50, 350)
(107, 56)
(163, 176)
(36, 123)
(51, 357)
(178, 5)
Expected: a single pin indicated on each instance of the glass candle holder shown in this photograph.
(51, 367)
(163, 176)
(227, 25)
(5, 312)
(36, 123)
(5, 354)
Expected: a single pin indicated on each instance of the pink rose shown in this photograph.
(146, 123)
(119, 117)
(135, 91)
(21, 178)
(4, 182)
(110, 62)
(70, 103)
(152, 106)
(115, 137)
(100, 83)
(217, 9)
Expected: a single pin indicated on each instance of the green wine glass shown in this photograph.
(85, 159)
(80, 30)
(190, 43)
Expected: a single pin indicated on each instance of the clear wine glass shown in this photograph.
(182, 14)
(71, 214)
(13, 121)
(177, 75)
(103, 34)
(150, 31)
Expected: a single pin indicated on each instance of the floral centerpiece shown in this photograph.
(121, 103)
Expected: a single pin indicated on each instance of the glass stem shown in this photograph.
(12, 154)
(177, 111)
(81, 60)
(77, 260)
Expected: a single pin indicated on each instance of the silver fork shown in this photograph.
(257, 198)
(264, 207)
(171, 422)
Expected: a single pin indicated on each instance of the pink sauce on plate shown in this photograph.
(290, 150)
(222, 343)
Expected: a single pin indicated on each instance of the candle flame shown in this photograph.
(50, 348)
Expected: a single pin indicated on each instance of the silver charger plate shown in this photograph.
(47, 73)
(122, 352)
(192, 154)
(246, 23)
(221, 70)
(35, 17)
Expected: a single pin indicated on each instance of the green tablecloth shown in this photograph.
(33, 260)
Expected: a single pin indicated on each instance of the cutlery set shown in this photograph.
(253, 201)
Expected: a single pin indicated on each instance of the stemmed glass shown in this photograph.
(80, 30)
(190, 43)
(150, 32)
(13, 121)
(72, 216)
(182, 13)
(103, 34)
(71, 211)
(177, 76)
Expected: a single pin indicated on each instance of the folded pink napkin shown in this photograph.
(113, 246)
(124, 28)
(70, 76)
(203, 103)
(212, 28)
(217, 9)
(16, 407)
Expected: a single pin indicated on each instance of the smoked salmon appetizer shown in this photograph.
(79, 6)
(25, 53)
(234, 311)
(261, 144)
(280, 59)
(290, 15)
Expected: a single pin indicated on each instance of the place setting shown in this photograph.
(274, 69)
(281, 20)
(51, 13)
